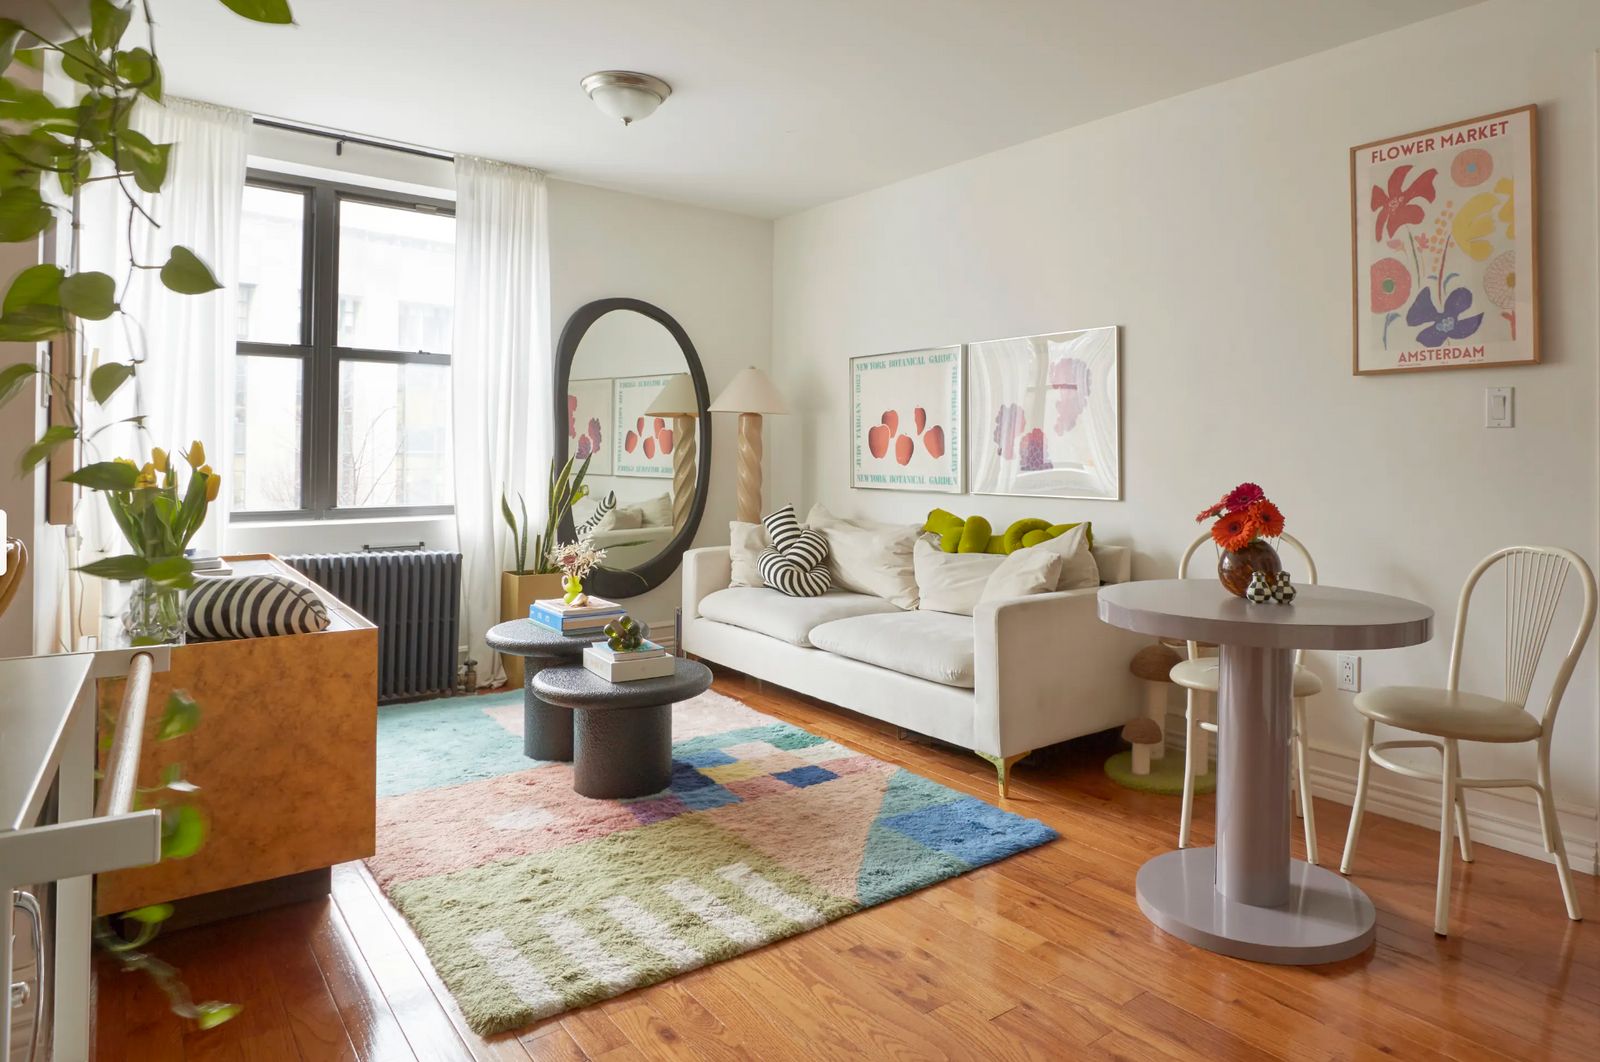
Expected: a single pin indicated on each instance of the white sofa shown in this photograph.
(1017, 675)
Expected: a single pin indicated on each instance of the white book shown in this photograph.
(613, 670)
(594, 605)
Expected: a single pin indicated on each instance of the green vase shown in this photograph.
(574, 588)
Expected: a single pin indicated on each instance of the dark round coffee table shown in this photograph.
(622, 731)
(546, 728)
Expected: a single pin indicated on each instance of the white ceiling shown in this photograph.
(776, 106)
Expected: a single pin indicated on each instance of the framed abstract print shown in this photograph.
(590, 420)
(1043, 415)
(1444, 246)
(905, 421)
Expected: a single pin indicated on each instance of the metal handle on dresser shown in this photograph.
(122, 764)
(28, 904)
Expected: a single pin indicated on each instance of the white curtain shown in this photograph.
(500, 378)
(184, 387)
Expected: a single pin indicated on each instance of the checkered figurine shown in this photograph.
(1260, 590)
(1283, 590)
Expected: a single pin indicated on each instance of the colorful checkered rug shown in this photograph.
(531, 900)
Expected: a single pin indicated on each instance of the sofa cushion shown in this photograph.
(869, 557)
(790, 619)
(936, 646)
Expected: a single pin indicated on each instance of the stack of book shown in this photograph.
(209, 564)
(646, 662)
(587, 618)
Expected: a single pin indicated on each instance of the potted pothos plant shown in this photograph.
(50, 150)
(533, 575)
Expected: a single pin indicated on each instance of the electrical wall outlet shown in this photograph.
(1349, 670)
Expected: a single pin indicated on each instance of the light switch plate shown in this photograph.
(1497, 407)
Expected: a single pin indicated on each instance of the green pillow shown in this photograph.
(974, 534)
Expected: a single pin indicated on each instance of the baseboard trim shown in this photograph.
(1501, 818)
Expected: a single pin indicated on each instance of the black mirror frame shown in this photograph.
(630, 582)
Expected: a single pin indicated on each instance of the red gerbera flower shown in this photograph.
(1269, 519)
(1243, 496)
(1393, 205)
(1234, 531)
(1209, 513)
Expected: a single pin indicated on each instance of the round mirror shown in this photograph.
(631, 399)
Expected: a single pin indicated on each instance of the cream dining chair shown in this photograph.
(1535, 579)
(1199, 677)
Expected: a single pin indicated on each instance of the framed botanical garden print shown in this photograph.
(905, 421)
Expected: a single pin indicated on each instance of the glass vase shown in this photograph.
(154, 614)
(1236, 566)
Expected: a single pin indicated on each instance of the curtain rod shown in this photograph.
(345, 138)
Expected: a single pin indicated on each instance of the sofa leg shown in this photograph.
(1002, 766)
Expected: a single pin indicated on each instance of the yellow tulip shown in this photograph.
(205, 470)
(213, 486)
(124, 461)
(196, 455)
(158, 457)
(146, 477)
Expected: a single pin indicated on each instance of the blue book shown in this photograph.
(587, 621)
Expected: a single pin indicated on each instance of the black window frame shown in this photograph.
(319, 353)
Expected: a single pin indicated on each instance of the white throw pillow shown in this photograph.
(746, 543)
(1078, 568)
(869, 557)
(951, 582)
(622, 518)
(656, 512)
(1025, 572)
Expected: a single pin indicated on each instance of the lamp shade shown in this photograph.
(750, 392)
(677, 399)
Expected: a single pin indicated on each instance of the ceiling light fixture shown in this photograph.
(626, 95)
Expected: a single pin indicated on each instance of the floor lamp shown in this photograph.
(750, 395)
(678, 401)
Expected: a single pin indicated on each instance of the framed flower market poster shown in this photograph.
(1445, 246)
(1042, 415)
(905, 416)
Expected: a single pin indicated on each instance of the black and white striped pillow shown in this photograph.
(602, 507)
(788, 576)
(794, 566)
(783, 528)
(253, 606)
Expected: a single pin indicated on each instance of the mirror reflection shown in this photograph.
(631, 410)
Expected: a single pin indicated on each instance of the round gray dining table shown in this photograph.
(1246, 897)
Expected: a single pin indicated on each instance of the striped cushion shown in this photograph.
(788, 576)
(794, 565)
(783, 528)
(253, 606)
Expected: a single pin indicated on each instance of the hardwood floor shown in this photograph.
(1044, 955)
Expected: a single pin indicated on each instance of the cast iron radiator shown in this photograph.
(413, 597)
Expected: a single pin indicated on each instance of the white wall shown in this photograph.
(1215, 229)
(18, 494)
(710, 270)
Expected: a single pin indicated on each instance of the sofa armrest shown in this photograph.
(1046, 669)
(705, 571)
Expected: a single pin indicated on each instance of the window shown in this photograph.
(345, 312)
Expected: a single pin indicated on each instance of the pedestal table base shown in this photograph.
(1325, 919)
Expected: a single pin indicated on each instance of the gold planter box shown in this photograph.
(517, 592)
(285, 754)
